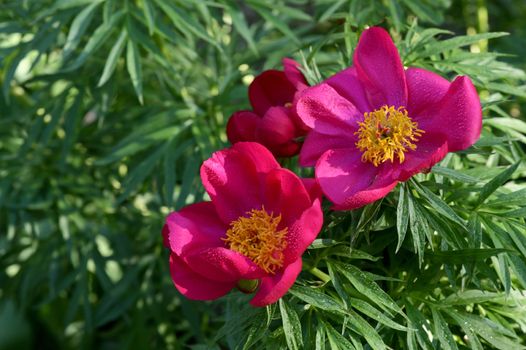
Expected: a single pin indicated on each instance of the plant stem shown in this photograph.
(320, 274)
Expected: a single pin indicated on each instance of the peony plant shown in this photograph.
(367, 128)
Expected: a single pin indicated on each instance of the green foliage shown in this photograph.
(109, 107)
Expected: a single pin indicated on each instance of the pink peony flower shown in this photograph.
(375, 124)
(251, 234)
(272, 121)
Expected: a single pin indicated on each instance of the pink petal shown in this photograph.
(165, 232)
(425, 89)
(293, 74)
(312, 186)
(194, 286)
(341, 174)
(274, 287)
(321, 108)
(259, 156)
(270, 88)
(231, 179)
(277, 131)
(430, 149)
(285, 195)
(276, 126)
(373, 193)
(316, 144)
(460, 117)
(347, 181)
(303, 231)
(347, 84)
(242, 126)
(379, 69)
(222, 264)
(195, 226)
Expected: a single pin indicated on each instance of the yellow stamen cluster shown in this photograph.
(385, 133)
(257, 237)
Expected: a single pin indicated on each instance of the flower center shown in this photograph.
(385, 133)
(257, 237)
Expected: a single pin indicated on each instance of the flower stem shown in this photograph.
(320, 274)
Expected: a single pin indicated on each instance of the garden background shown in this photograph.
(108, 108)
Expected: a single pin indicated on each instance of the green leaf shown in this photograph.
(100, 35)
(239, 22)
(511, 90)
(257, 330)
(462, 256)
(367, 309)
(133, 63)
(458, 41)
(506, 124)
(513, 198)
(465, 297)
(316, 298)
(141, 171)
(184, 22)
(496, 182)
(320, 243)
(418, 321)
(111, 62)
(336, 340)
(358, 324)
(149, 14)
(438, 204)
(291, 326)
(443, 332)
(78, 28)
(454, 175)
(419, 227)
(498, 337)
(367, 287)
(276, 22)
(402, 216)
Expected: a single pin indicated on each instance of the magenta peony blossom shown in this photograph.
(375, 124)
(251, 235)
(272, 122)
